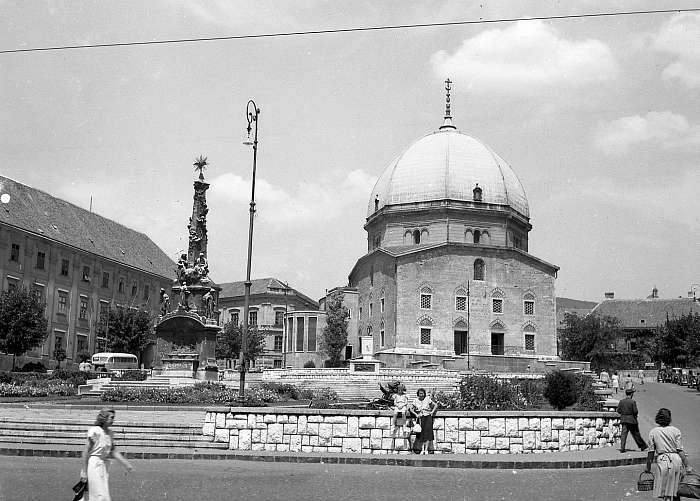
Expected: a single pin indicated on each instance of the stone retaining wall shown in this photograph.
(370, 432)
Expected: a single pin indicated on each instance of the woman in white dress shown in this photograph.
(668, 454)
(99, 450)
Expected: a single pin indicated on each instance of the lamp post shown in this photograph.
(252, 113)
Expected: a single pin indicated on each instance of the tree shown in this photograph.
(129, 330)
(560, 389)
(23, 325)
(678, 340)
(590, 338)
(229, 341)
(335, 333)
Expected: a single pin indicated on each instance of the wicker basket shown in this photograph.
(646, 481)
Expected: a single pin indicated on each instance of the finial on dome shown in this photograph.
(447, 124)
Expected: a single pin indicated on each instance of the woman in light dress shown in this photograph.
(423, 408)
(667, 452)
(99, 450)
(616, 382)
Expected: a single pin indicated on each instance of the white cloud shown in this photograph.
(663, 128)
(680, 36)
(524, 58)
(307, 203)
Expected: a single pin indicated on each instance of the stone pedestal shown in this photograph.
(366, 363)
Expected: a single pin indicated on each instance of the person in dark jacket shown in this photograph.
(627, 409)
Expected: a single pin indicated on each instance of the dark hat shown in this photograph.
(629, 391)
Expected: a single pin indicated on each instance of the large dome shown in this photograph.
(448, 164)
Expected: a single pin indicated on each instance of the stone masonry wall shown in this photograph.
(370, 432)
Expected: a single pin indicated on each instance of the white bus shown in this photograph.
(107, 362)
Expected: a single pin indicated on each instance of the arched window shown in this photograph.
(479, 269)
(529, 304)
(426, 328)
(460, 299)
(416, 236)
(477, 236)
(497, 301)
(529, 332)
(426, 298)
(381, 334)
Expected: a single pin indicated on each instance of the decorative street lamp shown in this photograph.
(252, 113)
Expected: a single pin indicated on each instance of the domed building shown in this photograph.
(447, 280)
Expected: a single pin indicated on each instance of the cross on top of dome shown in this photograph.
(447, 124)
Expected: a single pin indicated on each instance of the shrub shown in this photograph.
(132, 375)
(5, 377)
(560, 389)
(586, 399)
(490, 393)
(284, 390)
(323, 398)
(33, 367)
(39, 388)
(200, 393)
(309, 364)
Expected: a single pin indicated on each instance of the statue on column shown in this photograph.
(164, 302)
(209, 303)
(184, 297)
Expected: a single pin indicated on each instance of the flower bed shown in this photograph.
(39, 388)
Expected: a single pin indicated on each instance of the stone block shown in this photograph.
(325, 433)
(335, 450)
(440, 435)
(313, 440)
(451, 424)
(282, 447)
(376, 433)
(383, 423)
(523, 424)
(209, 417)
(528, 439)
(282, 418)
(352, 445)
(502, 443)
(438, 423)
(238, 424)
(290, 428)
(208, 429)
(295, 443)
(233, 443)
(237, 416)
(497, 427)
(578, 426)
(472, 439)
(533, 423)
(365, 432)
(271, 447)
(306, 448)
(481, 424)
(269, 418)
(320, 448)
(599, 424)
(302, 424)
(458, 448)
(286, 439)
(374, 443)
(516, 448)
(336, 419)
(221, 435)
(387, 433)
(255, 437)
(569, 424)
(353, 426)
(251, 421)
(512, 427)
(466, 424)
(244, 440)
(557, 424)
(312, 428)
(220, 420)
(336, 442)
(366, 422)
(314, 419)
(388, 444)
(274, 433)
(546, 428)
(257, 447)
(234, 431)
(488, 443)
(304, 440)
(340, 430)
(293, 418)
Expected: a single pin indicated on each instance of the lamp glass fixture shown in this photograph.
(248, 141)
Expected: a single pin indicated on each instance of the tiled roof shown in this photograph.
(652, 312)
(38, 212)
(260, 286)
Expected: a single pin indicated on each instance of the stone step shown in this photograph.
(85, 423)
(80, 435)
(203, 444)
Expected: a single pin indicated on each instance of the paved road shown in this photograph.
(48, 479)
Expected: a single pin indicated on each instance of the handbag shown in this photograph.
(80, 489)
(689, 486)
(416, 428)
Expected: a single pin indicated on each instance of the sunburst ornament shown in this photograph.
(200, 163)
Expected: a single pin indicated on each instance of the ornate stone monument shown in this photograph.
(189, 323)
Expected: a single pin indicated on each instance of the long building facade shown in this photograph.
(80, 263)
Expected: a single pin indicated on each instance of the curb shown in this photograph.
(339, 459)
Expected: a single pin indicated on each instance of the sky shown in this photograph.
(598, 117)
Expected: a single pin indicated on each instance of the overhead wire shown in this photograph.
(348, 30)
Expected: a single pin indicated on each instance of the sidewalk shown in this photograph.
(592, 458)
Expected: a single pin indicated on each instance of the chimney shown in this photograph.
(654, 293)
(609, 295)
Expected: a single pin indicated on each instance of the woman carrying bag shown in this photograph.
(99, 450)
(668, 455)
(424, 409)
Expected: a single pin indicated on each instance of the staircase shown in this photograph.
(45, 432)
(153, 382)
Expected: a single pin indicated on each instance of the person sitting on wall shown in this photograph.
(400, 409)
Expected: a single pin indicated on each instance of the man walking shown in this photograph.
(627, 409)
